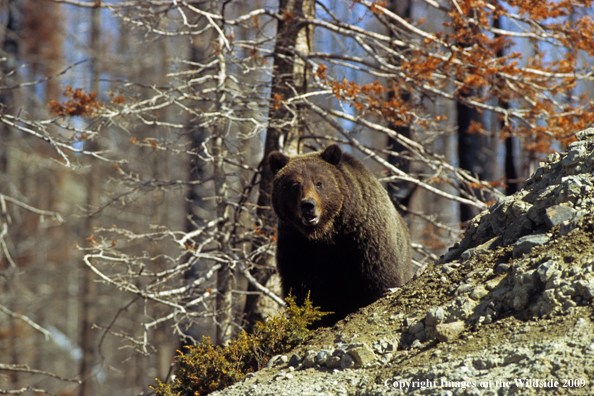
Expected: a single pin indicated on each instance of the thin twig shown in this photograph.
(26, 320)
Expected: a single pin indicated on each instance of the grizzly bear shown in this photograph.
(339, 237)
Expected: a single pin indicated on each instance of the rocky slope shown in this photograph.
(507, 311)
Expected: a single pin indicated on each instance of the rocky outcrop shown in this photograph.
(508, 310)
(559, 193)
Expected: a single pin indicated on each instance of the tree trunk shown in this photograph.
(88, 292)
(290, 75)
(400, 191)
(224, 300)
(472, 150)
(88, 288)
(510, 171)
(473, 145)
(443, 210)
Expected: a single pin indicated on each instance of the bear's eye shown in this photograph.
(319, 184)
(295, 186)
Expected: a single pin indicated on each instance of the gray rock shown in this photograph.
(460, 309)
(333, 362)
(501, 269)
(416, 344)
(322, 357)
(448, 268)
(339, 351)
(282, 376)
(585, 134)
(347, 361)
(527, 243)
(569, 190)
(416, 327)
(553, 157)
(546, 270)
(452, 254)
(488, 246)
(584, 288)
(518, 228)
(434, 316)
(277, 360)
(430, 333)
(521, 298)
(295, 360)
(464, 288)
(362, 355)
(545, 199)
(518, 356)
(309, 360)
(557, 214)
(445, 332)
(478, 292)
(576, 152)
(569, 225)
(467, 253)
(384, 346)
(505, 211)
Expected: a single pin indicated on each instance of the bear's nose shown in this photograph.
(308, 207)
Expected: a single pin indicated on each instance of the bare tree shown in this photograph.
(88, 290)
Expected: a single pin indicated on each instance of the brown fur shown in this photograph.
(339, 235)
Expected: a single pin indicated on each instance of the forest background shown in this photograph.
(134, 195)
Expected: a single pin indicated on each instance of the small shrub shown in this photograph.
(205, 367)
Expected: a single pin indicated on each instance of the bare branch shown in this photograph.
(54, 215)
(42, 80)
(26, 320)
(23, 368)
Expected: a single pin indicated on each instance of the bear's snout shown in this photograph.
(308, 211)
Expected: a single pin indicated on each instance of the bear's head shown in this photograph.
(307, 191)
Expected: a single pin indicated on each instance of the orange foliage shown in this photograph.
(538, 10)
(432, 236)
(475, 127)
(256, 21)
(265, 233)
(288, 16)
(321, 72)
(369, 99)
(497, 183)
(278, 101)
(478, 61)
(118, 99)
(80, 104)
(375, 7)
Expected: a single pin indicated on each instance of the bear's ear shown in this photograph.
(332, 154)
(277, 161)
